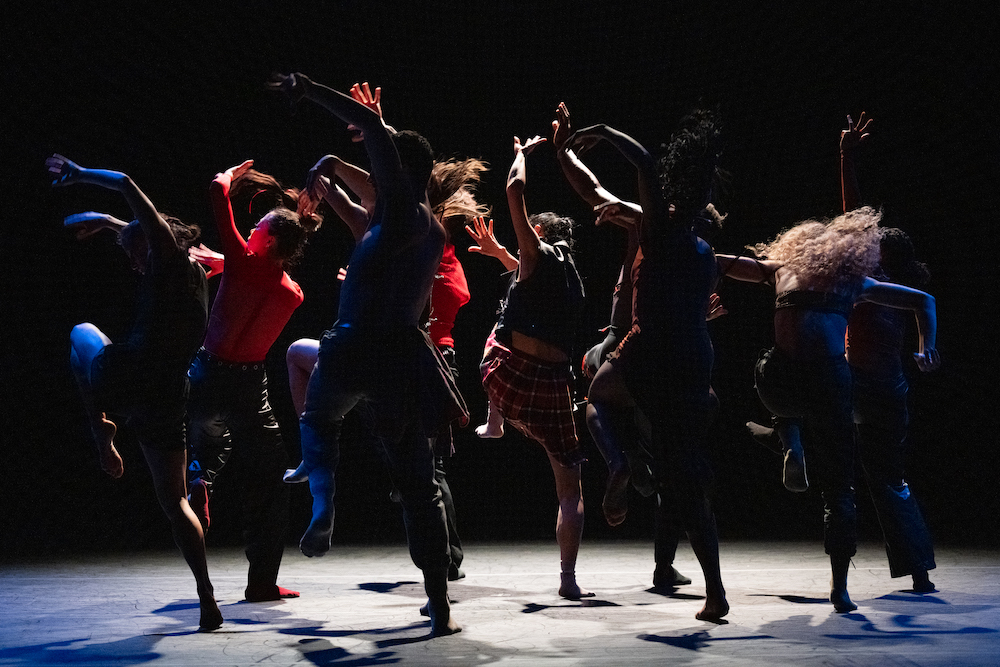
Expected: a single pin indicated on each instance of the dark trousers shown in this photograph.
(376, 372)
(881, 420)
(817, 393)
(229, 414)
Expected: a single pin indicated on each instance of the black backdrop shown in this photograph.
(174, 94)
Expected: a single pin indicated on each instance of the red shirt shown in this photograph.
(449, 293)
(256, 297)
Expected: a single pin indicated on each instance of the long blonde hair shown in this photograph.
(451, 191)
(832, 254)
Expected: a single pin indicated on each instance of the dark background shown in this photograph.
(174, 94)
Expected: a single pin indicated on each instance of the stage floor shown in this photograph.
(359, 607)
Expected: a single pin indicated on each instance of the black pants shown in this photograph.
(818, 392)
(229, 414)
(880, 419)
(376, 371)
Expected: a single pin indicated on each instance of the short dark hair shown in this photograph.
(415, 154)
(290, 236)
(898, 260)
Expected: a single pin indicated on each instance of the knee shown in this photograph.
(302, 354)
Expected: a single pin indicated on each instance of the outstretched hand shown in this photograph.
(561, 129)
(318, 178)
(583, 140)
(482, 234)
(292, 86)
(235, 172)
(214, 262)
(715, 308)
(928, 360)
(852, 137)
(528, 145)
(362, 93)
(89, 223)
(618, 213)
(66, 171)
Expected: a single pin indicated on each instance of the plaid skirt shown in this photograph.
(534, 397)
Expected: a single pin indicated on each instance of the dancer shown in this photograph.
(666, 357)
(450, 192)
(875, 336)
(525, 367)
(376, 356)
(144, 379)
(611, 412)
(229, 402)
(819, 271)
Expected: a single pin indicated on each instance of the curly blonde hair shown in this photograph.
(834, 253)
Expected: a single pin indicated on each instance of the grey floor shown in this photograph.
(359, 607)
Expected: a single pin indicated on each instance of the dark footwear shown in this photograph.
(455, 573)
(921, 583)
(198, 500)
(841, 601)
(268, 593)
(668, 578)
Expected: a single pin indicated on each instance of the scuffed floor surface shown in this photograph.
(359, 606)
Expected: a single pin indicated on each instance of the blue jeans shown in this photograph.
(881, 418)
(817, 394)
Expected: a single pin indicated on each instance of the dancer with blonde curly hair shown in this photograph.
(819, 271)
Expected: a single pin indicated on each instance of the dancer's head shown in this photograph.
(553, 228)
(689, 165)
(135, 244)
(416, 156)
(898, 261)
(451, 193)
(281, 233)
(837, 253)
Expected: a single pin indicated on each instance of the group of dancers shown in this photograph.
(191, 380)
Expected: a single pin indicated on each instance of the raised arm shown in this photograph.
(158, 234)
(528, 242)
(924, 309)
(649, 200)
(320, 184)
(386, 168)
(488, 244)
(581, 179)
(88, 223)
(850, 139)
(233, 244)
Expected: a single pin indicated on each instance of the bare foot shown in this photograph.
(211, 616)
(104, 431)
(442, 624)
(616, 496)
(793, 475)
(569, 589)
(714, 610)
(841, 600)
(268, 593)
(488, 430)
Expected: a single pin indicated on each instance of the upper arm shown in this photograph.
(895, 296)
(159, 236)
(747, 269)
(354, 215)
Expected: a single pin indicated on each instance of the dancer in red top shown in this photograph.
(229, 402)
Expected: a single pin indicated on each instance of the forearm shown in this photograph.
(849, 190)
(582, 180)
(527, 240)
(927, 324)
(353, 215)
(357, 181)
(225, 223)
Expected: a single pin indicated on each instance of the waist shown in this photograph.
(537, 348)
(215, 360)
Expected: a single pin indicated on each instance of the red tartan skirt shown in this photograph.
(533, 396)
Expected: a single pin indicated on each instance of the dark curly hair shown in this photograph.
(555, 228)
(898, 261)
(689, 165)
